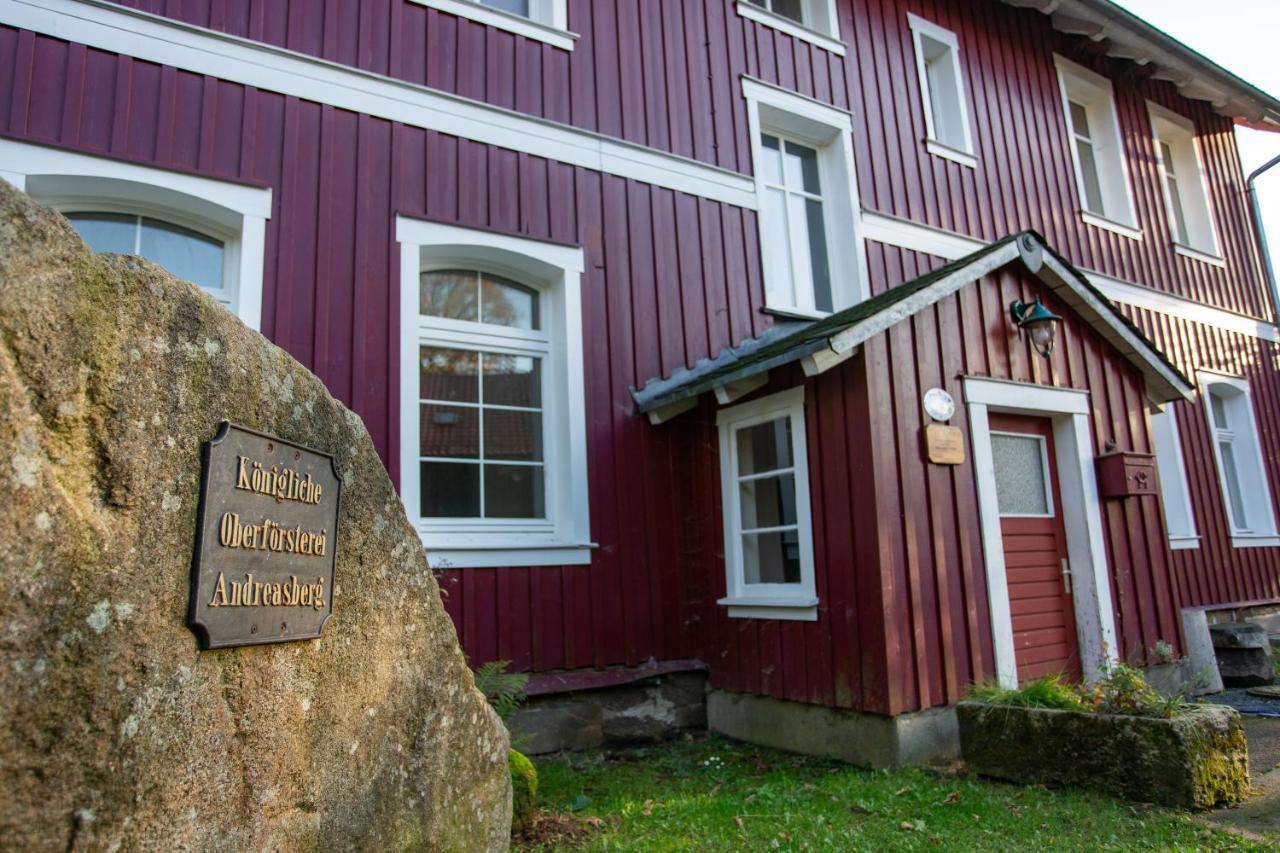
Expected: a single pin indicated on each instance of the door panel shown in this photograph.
(1035, 547)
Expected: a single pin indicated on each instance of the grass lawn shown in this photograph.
(718, 795)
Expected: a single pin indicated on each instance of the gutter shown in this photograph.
(1268, 271)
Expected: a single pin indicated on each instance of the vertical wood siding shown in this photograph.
(671, 279)
(665, 73)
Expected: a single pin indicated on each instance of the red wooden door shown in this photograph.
(1035, 547)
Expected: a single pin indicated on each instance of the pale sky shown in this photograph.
(1243, 36)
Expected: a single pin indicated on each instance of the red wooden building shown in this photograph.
(641, 300)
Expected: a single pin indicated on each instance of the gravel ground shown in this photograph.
(1239, 698)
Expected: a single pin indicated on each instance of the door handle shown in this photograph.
(1066, 575)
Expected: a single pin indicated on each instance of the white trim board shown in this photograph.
(1068, 410)
(554, 32)
(156, 39)
(928, 240)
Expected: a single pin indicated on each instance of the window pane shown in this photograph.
(819, 261)
(771, 557)
(768, 502)
(1219, 406)
(451, 431)
(1227, 451)
(449, 375)
(944, 93)
(514, 491)
(779, 278)
(771, 154)
(1080, 120)
(1021, 488)
(1089, 174)
(515, 7)
(764, 447)
(450, 490)
(183, 252)
(505, 303)
(800, 242)
(514, 436)
(107, 232)
(801, 165)
(450, 293)
(1179, 215)
(793, 9)
(512, 380)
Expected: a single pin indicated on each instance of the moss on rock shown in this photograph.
(1196, 760)
(524, 786)
(116, 731)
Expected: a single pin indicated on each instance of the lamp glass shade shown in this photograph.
(1043, 333)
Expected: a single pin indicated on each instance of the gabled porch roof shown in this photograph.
(822, 344)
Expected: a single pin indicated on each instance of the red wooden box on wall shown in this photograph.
(1126, 474)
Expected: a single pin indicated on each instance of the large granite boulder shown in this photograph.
(116, 731)
(1198, 759)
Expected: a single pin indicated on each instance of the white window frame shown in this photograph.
(829, 131)
(1095, 93)
(233, 213)
(1250, 464)
(1175, 492)
(555, 270)
(548, 20)
(965, 154)
(792, 602)
(820, 27)
(1179, 133)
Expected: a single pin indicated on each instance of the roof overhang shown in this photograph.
(1126, 36)
(823, 344)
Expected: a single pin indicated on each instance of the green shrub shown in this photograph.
(1048, 691)
(524, 787)
(504, 690)
(1124, 690)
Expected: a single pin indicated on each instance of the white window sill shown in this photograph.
(496, 558)
(1197, 255)
(1110, 225)
(1244, 540)
(1184, 543)
(803, 609)
(506, 21)
(790, 27)
(955, 155)
(795, 313)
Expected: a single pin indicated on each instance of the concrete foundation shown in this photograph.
(640, 712)
(869, 740)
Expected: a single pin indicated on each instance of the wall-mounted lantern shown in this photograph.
(1038, 321)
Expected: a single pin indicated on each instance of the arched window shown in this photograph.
(184, 252)
(493, 465)
(209, 232)
(1240, 462)
(482, 415)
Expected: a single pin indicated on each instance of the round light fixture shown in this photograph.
(938, 404)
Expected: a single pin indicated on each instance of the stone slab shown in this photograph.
(868, 740)
(1196, 760)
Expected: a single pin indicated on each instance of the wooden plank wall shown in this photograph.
(666, 73)
(672, 279)
(331, 283)
(903, 620)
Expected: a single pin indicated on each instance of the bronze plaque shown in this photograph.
(266, 540)
(944, 444)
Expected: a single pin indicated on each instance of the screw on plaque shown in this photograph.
(253, 629)
(297, 454)
(284, 626)
(270, 446)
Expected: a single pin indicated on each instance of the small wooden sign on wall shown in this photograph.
(944, 445)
